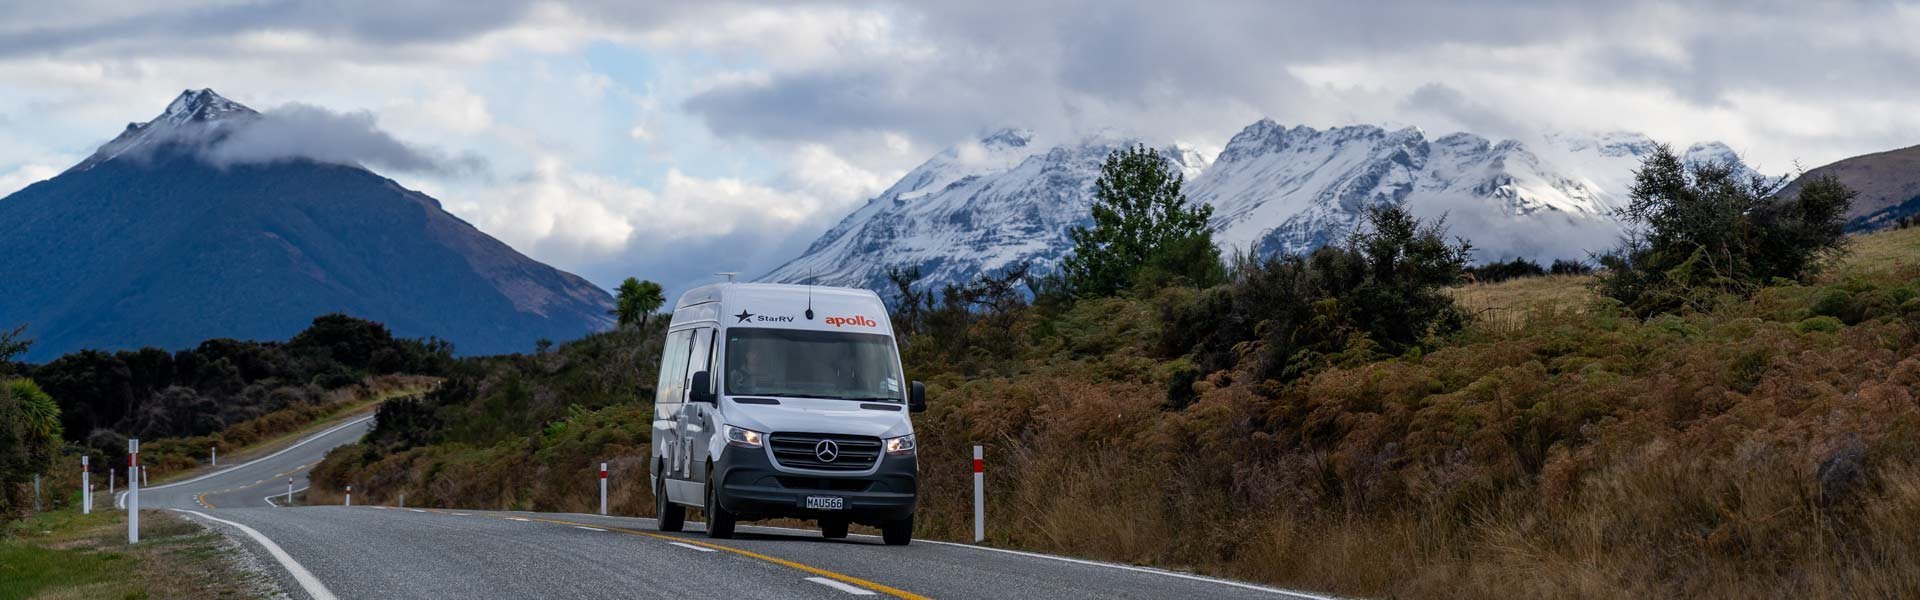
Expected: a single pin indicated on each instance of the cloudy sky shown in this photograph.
(668, 140)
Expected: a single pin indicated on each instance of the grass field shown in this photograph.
(1505, 306)
(65, 555)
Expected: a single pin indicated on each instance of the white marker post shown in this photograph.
(979, 494)
(289, 491)
(133, 492)
(349, 496)
(86, 486)
(603, 489)
(144, 479)
(110, 481)
(213, 455)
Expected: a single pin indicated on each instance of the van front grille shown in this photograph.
(802, 451)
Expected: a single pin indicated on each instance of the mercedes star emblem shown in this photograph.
(826, 451)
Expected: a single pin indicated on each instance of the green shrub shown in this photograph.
(1821, 324)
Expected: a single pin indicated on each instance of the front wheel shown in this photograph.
(897, 533)
(719, 521)
(668, 516)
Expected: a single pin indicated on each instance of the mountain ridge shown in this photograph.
(1273, 188)
(147, 243)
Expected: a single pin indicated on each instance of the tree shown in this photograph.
(29, 435)
(636, 301)
(1141, 220)
(12, 343)
(1706, 229)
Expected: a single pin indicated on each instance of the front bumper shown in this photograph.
(752, 488)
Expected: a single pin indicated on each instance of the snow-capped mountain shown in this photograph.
(195, 116)
(148, 243)
(973, 209)
(980, 207)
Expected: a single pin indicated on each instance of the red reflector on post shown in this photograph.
(979, 465)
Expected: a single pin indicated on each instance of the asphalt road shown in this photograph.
(325, 552)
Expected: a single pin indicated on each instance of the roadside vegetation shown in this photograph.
(1725, 409)
(65, 555)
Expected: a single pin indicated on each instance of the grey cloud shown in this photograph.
(387, 22)
(297, 131)
(1477, 117)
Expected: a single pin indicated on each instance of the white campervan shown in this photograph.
(784, 401)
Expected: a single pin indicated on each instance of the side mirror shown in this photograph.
(701, 388)
(917, 397)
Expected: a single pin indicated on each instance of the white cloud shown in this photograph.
(24, 176)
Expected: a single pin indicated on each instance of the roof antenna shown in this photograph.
(729, 275)
(809, 294)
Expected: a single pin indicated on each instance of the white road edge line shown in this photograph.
(270, 501)
(416, 510)
(520, 519)
(589, 528)
(841, 586)
(119, 498)
(300, 574)
(690, 546)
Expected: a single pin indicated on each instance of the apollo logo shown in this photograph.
(855, 320)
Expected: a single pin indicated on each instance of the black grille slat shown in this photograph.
(796, 450)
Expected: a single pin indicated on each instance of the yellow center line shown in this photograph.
(202, 498)
(842, 577)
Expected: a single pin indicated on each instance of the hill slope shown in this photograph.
(1888, 182)
(148, 244)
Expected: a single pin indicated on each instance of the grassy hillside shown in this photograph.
(1556, 447)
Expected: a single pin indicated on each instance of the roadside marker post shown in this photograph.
(349, 496)
(110, 481)
(289, 491)
(133, 491)
(86, 486)
(213, 455)
(36, 493)
(603, 489)
(145, 481)
(979, 494)
(403, 499)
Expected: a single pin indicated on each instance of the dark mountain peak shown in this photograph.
(202, 105)
(194, 118)
(146, 243)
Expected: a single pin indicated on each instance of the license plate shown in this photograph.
(826, 503)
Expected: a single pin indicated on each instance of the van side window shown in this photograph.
(673, 369)
(700, 353)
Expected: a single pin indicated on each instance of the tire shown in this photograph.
(833, 529)
(669, 517)
(719, 522)
(897, 533)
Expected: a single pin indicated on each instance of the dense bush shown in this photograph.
(515, 431)
(152, 393)
(1380, 294)
(1706, 229)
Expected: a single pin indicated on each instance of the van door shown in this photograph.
(699, 421)
(669, 403)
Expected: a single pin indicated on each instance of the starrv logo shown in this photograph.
(856, 320)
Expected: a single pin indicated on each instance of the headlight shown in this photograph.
(900, 446)
(744, 438)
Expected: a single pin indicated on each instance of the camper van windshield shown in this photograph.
(812, 364)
